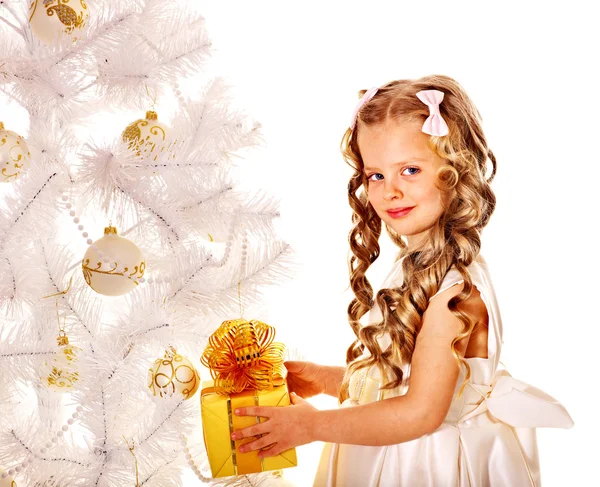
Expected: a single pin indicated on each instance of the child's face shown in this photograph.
(401, 172)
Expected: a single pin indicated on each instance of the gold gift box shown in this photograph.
(219, 421)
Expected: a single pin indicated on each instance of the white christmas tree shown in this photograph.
(112, 120)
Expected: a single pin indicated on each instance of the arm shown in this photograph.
(434, 374)
(387, 422)
(422, 410)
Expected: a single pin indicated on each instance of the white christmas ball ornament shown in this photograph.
(147, 137)
(61, 373)
(125, 267)
(14, 155)
(173, 374)
(53, 21)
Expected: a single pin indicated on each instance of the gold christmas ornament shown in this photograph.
(54, 21)
(125, 267)
(61, 373)
(147, 137)
(14, 155)
(173, 374)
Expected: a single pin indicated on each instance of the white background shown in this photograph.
(529, 67)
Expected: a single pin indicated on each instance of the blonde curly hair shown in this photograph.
(468, 203)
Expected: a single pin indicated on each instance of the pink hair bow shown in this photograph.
(435, 124)
(366, 97)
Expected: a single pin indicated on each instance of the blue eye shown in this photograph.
(370, 178)
(412, 167)
(378, 176)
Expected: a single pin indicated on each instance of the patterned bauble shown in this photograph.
(14, 155)
(123, 270)
(171, 374)
(56, 21)
(147, 137)
(61, 374)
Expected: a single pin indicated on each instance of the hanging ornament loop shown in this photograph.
(62, 338)
(239, 286)
(131, 449)
(152, 97)
(61, 292)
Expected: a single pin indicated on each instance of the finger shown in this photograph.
(262, 442)
(264, 411)
(296, 399)
(254, 430)
(271, 451)
(294, 365)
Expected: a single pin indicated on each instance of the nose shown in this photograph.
(391, 189)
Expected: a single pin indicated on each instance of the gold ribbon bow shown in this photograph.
(242, 355)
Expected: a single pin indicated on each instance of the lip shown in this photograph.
(400, 212)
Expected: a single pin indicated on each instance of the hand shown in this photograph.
(305, 378)
(285, 427)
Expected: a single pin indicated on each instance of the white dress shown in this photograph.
(488, 437)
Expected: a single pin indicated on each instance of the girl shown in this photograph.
(423, 401)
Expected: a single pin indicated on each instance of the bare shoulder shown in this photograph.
(474, 345)
(472, 306)
(434, 370)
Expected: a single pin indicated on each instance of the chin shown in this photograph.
(403, 230)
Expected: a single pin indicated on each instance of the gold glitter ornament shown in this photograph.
(54, 21)
(173, 374)
(14, 155)
(122, 273)
(61, 373)
(147, 137)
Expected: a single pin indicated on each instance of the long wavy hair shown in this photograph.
(454, 240)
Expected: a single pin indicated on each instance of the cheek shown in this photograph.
(374, 198)
(434, 203)
(430, 195)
